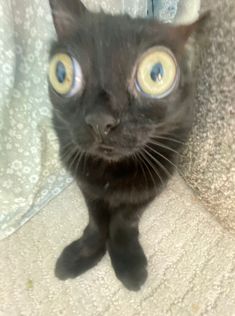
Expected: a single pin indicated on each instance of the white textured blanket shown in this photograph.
(191, 264)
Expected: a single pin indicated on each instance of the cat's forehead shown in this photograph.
(107, 32)
(105, 36)
(108, 46)
(116, 39)
(107, 24)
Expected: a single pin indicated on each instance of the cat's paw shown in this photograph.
(77, 258)
(130, 267)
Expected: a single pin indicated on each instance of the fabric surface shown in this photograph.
(187, 11)
(209, 163)
(191, 263)
(163, 10)
(30, 172)
(132, 7)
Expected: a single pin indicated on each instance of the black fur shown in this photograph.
(119, 172)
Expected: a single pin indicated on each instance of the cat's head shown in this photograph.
(117, 83)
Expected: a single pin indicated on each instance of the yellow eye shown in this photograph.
(65, 75)
(157, 73)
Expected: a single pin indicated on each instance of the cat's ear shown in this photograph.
(184, 31)
(65, 13)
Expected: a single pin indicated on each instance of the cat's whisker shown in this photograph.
(70, 152)
(85, 156)
(164, 146)
(153, 167)
(157, 162)
(67, 153)
(144, 152)
(79, 160)
(171, 162)
(67, 158)
(134, 157)
(64, 147)
(145, 162)
(168, 138)
(164, 157)
(76, 155)
(139, 159)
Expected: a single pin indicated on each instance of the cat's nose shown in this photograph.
(101, 123)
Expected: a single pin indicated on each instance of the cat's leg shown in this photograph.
(86, 252)
(127, 256)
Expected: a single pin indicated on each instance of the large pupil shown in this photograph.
(60, 72)
(157, 72)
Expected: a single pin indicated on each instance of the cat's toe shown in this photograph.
(130, 266)
(76, 259)
(133, 279)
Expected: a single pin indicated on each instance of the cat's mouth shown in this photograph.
(109, 153)
(113, 152)
(105, 148)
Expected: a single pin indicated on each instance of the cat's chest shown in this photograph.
(119, 189)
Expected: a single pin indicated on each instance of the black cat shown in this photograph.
(121, 95)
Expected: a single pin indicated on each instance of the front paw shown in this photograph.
(130, 266)
(77, 258)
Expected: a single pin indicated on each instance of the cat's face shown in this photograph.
(116, 83)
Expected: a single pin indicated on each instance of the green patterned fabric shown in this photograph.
(30, 171)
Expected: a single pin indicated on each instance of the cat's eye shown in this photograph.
(157, 73)
(65, 75)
